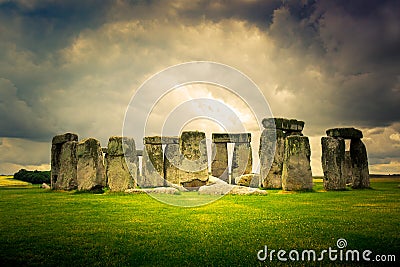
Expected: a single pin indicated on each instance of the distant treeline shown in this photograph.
(34, 177)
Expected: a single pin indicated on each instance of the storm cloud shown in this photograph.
(74, 65)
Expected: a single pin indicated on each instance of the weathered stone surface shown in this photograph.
(218, 188)
(194, 164)
(250, 180)
(333, 160)
(244, 190)
(219, 165)
(121, 169)
(120, 146)
(224, 188)
(231, 138)
(62, 138)
(283, 124)
(64, 166)
(172, 161)
(152, 166)
(296, 171)
(348, 169)
(157, 190)
(346, 133)
(90, 167)
(271, 174)
(157, 140)
(45, 186)
(359, 161)
(242, 160)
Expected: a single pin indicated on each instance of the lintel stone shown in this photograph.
(283, 124)
(157, 140)
(231, 138)
(63, 138)
(346, 133)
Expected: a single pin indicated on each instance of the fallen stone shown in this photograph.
(215, 189)
(246, 179)
(346, 133)
(45, 186)
(157, 190)
(243, 190)
(223, 188)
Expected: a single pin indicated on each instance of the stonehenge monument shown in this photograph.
(182, 161)
(340, 166)
(290, 164)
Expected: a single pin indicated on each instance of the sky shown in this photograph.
(73, 66)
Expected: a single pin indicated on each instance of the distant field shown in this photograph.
(41, 227)
(7, 180)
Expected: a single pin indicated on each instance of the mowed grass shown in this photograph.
(41, 227)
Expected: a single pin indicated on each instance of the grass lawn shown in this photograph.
(41, 227)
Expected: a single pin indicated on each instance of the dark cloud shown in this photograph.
(72, 65)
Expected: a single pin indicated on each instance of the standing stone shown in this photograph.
(348, 169)
(152, 163)
(121, 164)
(271, 174)
(64, 162)
(219, 165)
(241, 161)
(359, 161)
(296, 172)
(90, 169)
(333, 163)
(172, 161)
(194, 164)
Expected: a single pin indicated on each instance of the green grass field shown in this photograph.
(41, 227)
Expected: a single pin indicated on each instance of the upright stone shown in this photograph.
(219, 165)
(64, 162)
(90, 167)
(152, 163)
(121, 163)
(296, 172)
(172, 161)
(242, 160)
(359, 161)
(348, 169)
(333, 162)
(194, 164)
(271, 161)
